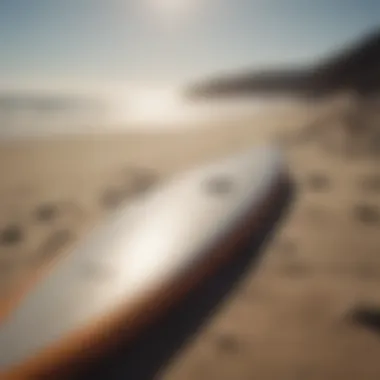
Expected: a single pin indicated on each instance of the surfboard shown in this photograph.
(129, 270)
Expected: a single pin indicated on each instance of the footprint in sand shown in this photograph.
(227, 344)
(11, 235)
(295, 269)
(113, 197)
(287, 247)
(318, 181)
(368, 317)
(144, 181)
(289, 265)
(366, 213)
(139, 179)
(58, 212)
(46, 212)
(370, 183)
(309, 215)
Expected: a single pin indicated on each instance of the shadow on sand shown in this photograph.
(146, 356)
(367, 317)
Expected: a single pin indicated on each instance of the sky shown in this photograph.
(169, 41)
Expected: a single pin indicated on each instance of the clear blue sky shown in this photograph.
(158, 41)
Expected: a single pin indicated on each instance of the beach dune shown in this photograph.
(291, 318)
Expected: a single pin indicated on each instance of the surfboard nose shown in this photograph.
(263, 165)
(178, 225)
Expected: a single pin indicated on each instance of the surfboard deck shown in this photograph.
(133, 267)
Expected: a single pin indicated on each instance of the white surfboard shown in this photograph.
(134, 266)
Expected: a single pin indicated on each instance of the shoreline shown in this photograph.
(320, 265)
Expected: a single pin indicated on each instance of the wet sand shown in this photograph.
(310, 311)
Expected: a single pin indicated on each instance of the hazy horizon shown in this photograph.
(53, 43)
(135, 54)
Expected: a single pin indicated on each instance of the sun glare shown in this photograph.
(150, 106)
(172, 9)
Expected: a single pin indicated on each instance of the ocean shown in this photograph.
(144, 109)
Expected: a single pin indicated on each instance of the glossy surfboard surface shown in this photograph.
(144, 258)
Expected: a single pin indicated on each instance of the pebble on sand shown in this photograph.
(46, 212)
(112, 197)
(370, 183)
(227, 343)
(366, 213)
(318, 181)
(368, 317)
(10, 235)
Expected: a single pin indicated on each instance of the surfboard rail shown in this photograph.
(126, 321)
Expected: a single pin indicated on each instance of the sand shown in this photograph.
(303, 314)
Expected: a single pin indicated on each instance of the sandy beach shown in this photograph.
(294, 317)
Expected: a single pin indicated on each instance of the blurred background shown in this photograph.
(97, 96)
(94, 66)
